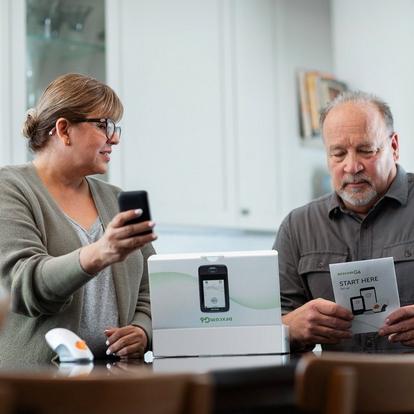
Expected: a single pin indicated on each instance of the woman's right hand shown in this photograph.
(118, 241)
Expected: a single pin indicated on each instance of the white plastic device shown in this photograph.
(68, 345)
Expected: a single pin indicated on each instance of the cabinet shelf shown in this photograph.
(56, 46)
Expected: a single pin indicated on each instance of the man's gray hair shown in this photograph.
(360, 97)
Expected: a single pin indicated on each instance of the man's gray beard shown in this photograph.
(358, 198)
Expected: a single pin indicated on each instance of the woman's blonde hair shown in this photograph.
(71, 96)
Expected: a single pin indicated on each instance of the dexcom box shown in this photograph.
(222, 303)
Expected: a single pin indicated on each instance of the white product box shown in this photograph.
(222, 303)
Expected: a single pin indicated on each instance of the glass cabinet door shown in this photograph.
(63, 36)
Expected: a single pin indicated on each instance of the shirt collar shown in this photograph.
(399, 187)
(398, 191)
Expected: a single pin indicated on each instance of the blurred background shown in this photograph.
(210, 87)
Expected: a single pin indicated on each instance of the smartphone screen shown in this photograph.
(370, 297)
(357, 305)
(132, 200)
(214, 288)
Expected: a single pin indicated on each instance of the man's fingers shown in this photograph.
(329, 308)
(327, 327)
(399, 326)
(400, 314)
(401, 337)
(333, 322)
(332, 333)
(399, 321)
(319, 321)
(326, 335)
(395, 328)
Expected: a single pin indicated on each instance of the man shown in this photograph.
(369, 215)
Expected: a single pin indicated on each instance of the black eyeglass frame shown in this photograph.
(106, 121)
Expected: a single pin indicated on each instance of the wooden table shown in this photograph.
(241, 384)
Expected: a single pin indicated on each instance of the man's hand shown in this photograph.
(319, 321)
(399, 326)
(126, 342)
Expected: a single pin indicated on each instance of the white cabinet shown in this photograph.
(40, 40)
(210, 127)
(197, 81)
(12, 81)
(174, 141)
(256, 156)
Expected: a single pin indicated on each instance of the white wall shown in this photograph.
(179, 239)
(373, 51)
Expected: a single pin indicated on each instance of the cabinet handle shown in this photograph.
(245, 211)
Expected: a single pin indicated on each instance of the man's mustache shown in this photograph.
(355, 179)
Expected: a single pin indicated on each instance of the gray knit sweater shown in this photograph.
(39, 264)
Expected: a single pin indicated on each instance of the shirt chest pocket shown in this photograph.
(403, 255)
(314, 270)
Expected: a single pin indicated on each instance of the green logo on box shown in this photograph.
(207, 319)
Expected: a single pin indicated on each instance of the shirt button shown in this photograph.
(320, 265)
(369, 343)
(407, 253)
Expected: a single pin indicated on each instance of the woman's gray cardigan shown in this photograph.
(39, 264)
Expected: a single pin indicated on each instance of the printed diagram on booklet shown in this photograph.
(366, 302)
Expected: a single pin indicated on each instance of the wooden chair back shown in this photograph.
(152, 393)
(344, 383)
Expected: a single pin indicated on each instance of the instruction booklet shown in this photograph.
(368, 288)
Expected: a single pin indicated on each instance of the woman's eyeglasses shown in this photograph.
(110, 128)
(105, 123)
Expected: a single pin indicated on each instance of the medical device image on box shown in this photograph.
(221, 303)
(214, 288)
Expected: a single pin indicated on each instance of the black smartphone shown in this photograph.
(132, 200)
(214, 288)
(357, 305)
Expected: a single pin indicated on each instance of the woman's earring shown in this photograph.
(67, 142)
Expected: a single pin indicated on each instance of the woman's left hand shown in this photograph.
(127, 342)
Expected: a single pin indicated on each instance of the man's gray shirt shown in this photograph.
(323, 232)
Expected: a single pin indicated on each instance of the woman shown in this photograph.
(67, 256)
